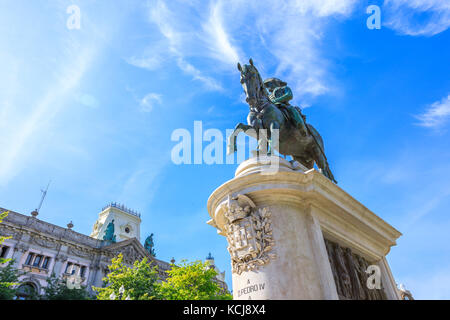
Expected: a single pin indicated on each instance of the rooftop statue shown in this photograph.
(109, 232)
(270, 110)
(149, 245)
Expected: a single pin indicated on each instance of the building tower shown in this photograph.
(127, 222)
(210, 260)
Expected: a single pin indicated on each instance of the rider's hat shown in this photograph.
(274, 83)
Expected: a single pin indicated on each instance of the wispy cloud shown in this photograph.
(285, 36)
(417, 17)
(148, 102)
(44, 82)
(45, 109)
(217, 39)
(294, 37)
(427, 207)
(196, 74)
(164, 19)
(150, 62)
(436, 115)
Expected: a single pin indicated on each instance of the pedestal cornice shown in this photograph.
(342, 218)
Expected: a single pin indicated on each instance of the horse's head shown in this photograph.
(252, 83)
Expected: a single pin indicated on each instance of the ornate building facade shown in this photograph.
(43, 249)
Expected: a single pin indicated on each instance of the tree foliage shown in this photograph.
(192, 281)
(129, 283)
(57, 289)
(9, 276)
(189, 281)
(3, 216)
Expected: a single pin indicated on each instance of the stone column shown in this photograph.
(275, 222)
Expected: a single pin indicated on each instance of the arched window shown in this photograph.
(26, 291)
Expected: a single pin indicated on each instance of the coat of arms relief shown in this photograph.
(249, 234)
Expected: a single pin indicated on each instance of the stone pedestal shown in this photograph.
(293, 234)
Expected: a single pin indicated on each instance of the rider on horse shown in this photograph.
(280, 95)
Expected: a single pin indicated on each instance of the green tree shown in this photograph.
(129, 283)
(3, 216)
(8, 274)
(8, 281)
(192, 281)
(57, 289)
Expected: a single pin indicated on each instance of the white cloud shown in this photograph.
(217, 34)
(43, 112)
(149, 63)
(196, 74)
(291, 36)
(417, 17)
(437, 114)
(218, 40)
(426, 208)
(44, 81)
(148, 102)
(165, 21)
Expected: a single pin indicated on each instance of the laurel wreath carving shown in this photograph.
(262, 254)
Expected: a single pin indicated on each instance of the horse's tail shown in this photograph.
(317, 138)
(319, 142)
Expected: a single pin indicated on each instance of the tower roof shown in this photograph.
(122, 208)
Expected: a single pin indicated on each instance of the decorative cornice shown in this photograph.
(44, 241)
(51, 236)
(83, 253)
(8, 231)
(310, 188)
(30, 225)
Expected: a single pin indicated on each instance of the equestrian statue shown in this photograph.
(270, 110)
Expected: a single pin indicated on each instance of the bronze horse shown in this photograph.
(305, 148)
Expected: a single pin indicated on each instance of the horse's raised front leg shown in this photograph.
(274, 137)
(240, 127)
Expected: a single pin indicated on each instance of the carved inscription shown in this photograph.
(251, 288)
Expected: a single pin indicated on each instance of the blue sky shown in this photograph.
(93, 109)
